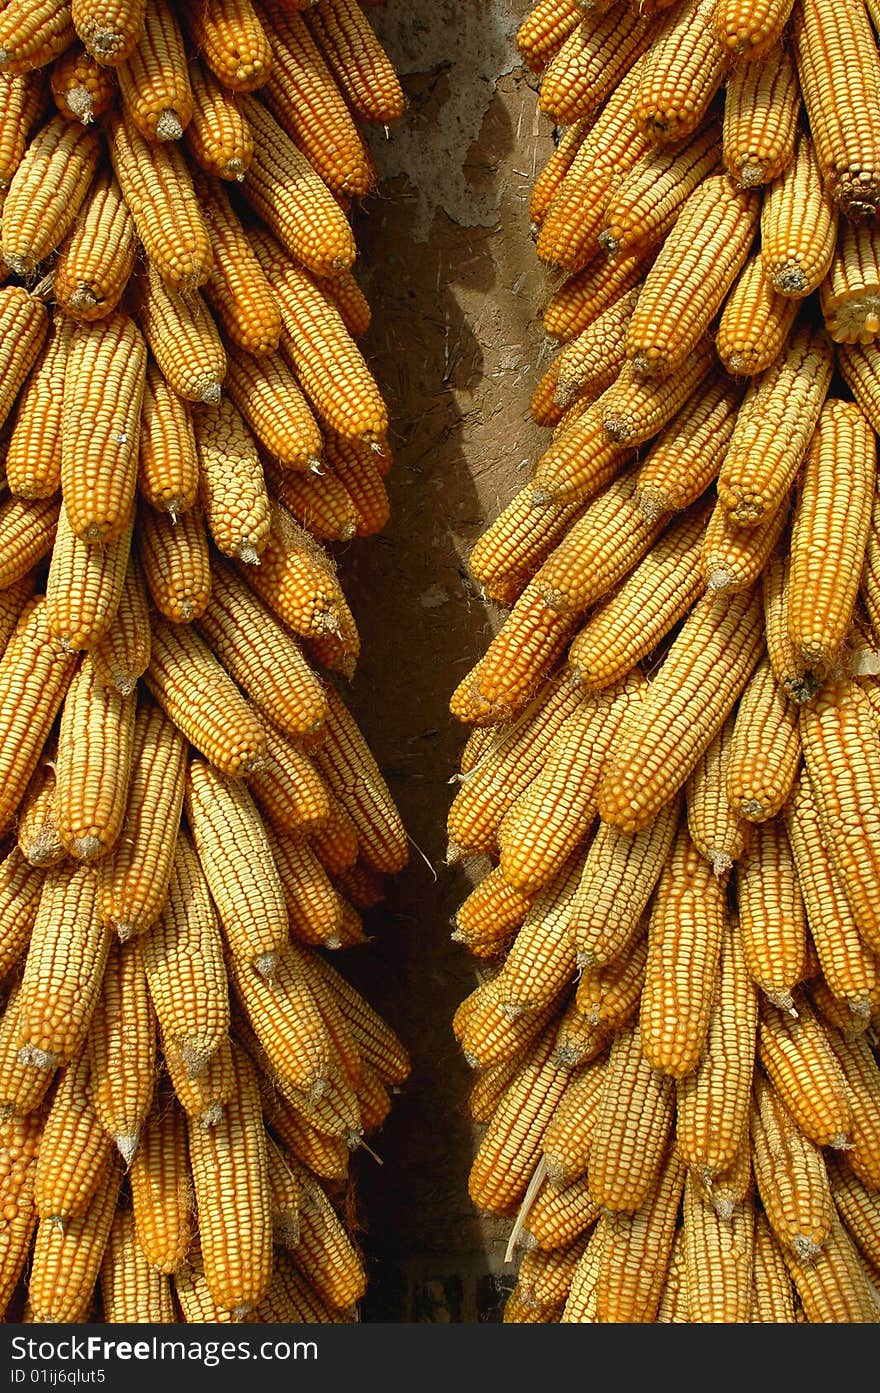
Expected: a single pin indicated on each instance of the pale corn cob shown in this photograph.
(590, 363)
(686, 456)
(62, 979)
(797, 684)
(84, 585)
(110, 29)
(45, 193)
(93, 764)
(204, 1096)
(718, 1258)
(133, 880)
(82, 88)
(154, 79)
(566, 1143)
(74, 1148)
(755, 322)
(35, 673)
(636, 407)
(379, 1046)
(633, 1126)
(664, 736)
(683, 71)
(132, 1290)
(218, 136)
(673, 1306)
(232, 42)
(765, 749)
(772, 1291)
(289, 788)
(581, 1304)
(123, 654)
(761, 108)
(23, 325)
(733, 558)
(842, 755)
(848, 966)
(696, 266)
(182, 956)
(712, 1101)
(158, 190)
(634, 1261)
(232, 489)
(237, 288)
(645, 206)
(715, 828)
(591, 63)
(359, 64)
(21, 105)
(830, 40)
(182, 337)
(543, 1283)
(32, 459)
(175, 556)
(795, 1053)
(608, 994)
(67, 1259)
(27, 531)
(774, 429)
(798, 225)
(121, 1047)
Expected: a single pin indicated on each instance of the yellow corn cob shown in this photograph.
(285, 1017)
(733, 559)
(203, 1097)
(193, 1297)
(581, 1306)
(38, 839)
(231, 485)
(583, 297)
(588, 365)
(325, 1254)
(798, 225)
(848, 966)
(158, 190)
(289, 789)
(237, 862)
(232, 1194)
(859, 1208)
(33, 457)
(32, 33)
(765, 749)
(834, 1288)
(168, 466)
(506, 555)
(619, 875)
(237, 288)
(791, 1177)
(715, 827)
(67, 1259)
(755, 323)
(182, 337)
(761, 109)
(684, 943)
(154, 79)
(182, 955)
(579, 463)
(673, 1306)
(591, 63)
(632, 1129)
(344, 292)
(557, 1217)
(687, 455)
(842, 756)
(268, 397)
(799, 1061)
(336, 842)
(20, 888)
(19, 1149)
(231, 41)
(637, 407)
(696, 266)
(34, 675)
(488, 1089)
(27, 532)
(551, 176)
(749, 31)
(545, 29)
(84, 585)
(487, 1034)
(774, 429)
(304, 98)
(718, 1258)
(635, 1256)
(22, 1087)
(820, 608)
(772, 914)
(292, 1297)
(664, 736)
(361, 67)
(176, 563)
(356, 465)
(850, 292)
(45, 193)
(22, 102)
(319, 502)
(295, 578)
(110, 29)
(99, 435)
(292, 199)
(218, 136)
(797, 684)
(543, 1283)
(643, 209)
(566, 1144)
(490, 914)
(123, 654)
(772, 1293)
(862, 1077)
(132, 1290)
(285, 1196)
(12, 601)
(379, 1047)
(542, 959)
(82, 88)
(684, 69)
(23, 325)
(133, 880)
(608, 994)
(65, 963)
(95, 745)
(713, 1100)
(122, 1049)
(328, 364)
(830, 41)
(74, 1148)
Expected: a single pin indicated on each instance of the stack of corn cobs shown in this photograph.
(191, 815)
(676, 760)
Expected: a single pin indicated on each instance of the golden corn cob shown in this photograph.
(285, 1017)
(588, 365)
(831, 40)
(488, 1034)
(295, 578)
(132, 1290)
(772, 918)
(686, 456)
(93, 765)
(761, 108)
(22, 103)
(12, 601)
(765, 750)
(110, 29)
(204, 1096)
(635, 1256)
(67, 1259)
(551, 176)
(581, 1306)
(289, 789)
(755, 322)
(22, 1087)
(45, 193)
(356, 466)
(850, 292)
(718, 1258)
(182, 337)
(859, 1066)
(608, 993)
(266, 393)
(168, 466)
(232, 42)
(121, 1048)
(684, 69)
(566, 1143)
(231, 485)
(19, 1149)
(687, 703)
(583, 297)
(859, 1209)
(636, 407)
(379, 1047)
(749, 31)
(798, 225)
(74, 1148)
(633, 1126)
(557, 1217)
(834, 1288)
(158, 190)
(27, 532)
(772, 1292)
(82, 88)
(542, 959)
(796, 1056)
(123, 654)
(237, 289)
(716, 829)
(84, 585)
(693, 272)
(176, 562)
(38, 843)
(545, 29)
(218, 136)
(591, 63)
(23, 324)
(32, 459)
(734, 558)
(579, 464)
(319, 502)
(361, 67)
(154, 79)
(489, 916)
(325, 1255)
(643, 208)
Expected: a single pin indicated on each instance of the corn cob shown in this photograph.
(218, 136)
(798, 225)
(237, 289)
(21, 105)
(542, 959)
(123, 654)
(858, 1208)
(716, 828)
(580, 463)
(718, 1258)
(204, 1096)
(27, 531)
(566, 1144)
(132, 1290)
(834, 1288)
(110, 29)
(20, 887)
(32, 459)
(45, 193)
(588, 365)
(795, 1053)
(608, 994)
(74, 1148)
(859, 1066)
(82, 88)
(12, 601)
(636, 407)
(232, 42)
(268, 397)
(19, 1150)
(23, 325)
(749, 31)
(67, 1259)
(356, 466)
(684, 69)
(761, 110)
(632, 1129)
(584, 296)
(591, 63)
(285, 1017)
(633, 1263)
(93, 765)
(765, 750)
(644, 207)
(686, 456)
(359, 64)
(755, 323)
(84, 585)
(121, 1048)
(545, 29)
(182, 337)
(772, 914)
(154, 79)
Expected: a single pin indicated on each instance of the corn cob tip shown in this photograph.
(840, 1141)
(210, 392)
(79, 99)
(719, 581)
(235, 169)
(265, 964)
(209, 1117)
(354, 1137)
(471, 1060)
(783, 1001)
(37, 1059)
(83, 299)
(540, 498)
(86, 848)
(805, 1249)
(195, 1060)
(332, 941)
(123, 932)
(248, 554)
(751, 175)
(803, 688)
(790, 280)
(127, 1145)
(318, 1089)
(453, 854)
(644, 364)
(168, 126)
(609, 244)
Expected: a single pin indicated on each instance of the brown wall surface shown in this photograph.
(450, 271)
